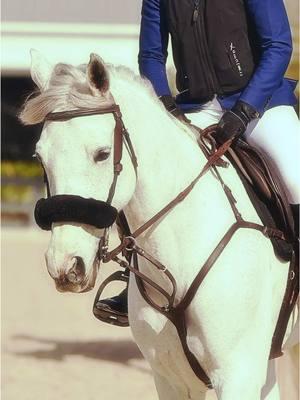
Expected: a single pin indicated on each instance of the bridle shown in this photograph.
(79, 209)
(174, 312)
(120, 135)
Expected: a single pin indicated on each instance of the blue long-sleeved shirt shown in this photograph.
(266, 89)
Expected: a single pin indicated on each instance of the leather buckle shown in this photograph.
(117, 113)
(118, 167)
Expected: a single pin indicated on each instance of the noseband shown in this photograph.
(71, 208)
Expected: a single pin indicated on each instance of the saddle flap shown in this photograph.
(266, 183)
(255, 173)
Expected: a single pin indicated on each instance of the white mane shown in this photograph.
(69, 89)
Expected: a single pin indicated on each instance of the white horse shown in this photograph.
(231, 320)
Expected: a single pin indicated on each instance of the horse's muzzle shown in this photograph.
(69, 208)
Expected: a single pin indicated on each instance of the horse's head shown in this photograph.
(78, 156)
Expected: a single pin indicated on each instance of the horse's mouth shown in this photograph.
(63, 285)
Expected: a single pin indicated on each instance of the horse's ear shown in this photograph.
(41, 69)
(97, 75)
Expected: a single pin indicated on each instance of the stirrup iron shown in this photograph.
(105, 313)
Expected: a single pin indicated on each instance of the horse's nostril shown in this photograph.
(72, 277)
(77, 272)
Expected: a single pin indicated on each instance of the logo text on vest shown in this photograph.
(236, 60)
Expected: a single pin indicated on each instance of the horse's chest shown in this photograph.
(159, 342)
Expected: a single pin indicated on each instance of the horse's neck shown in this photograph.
(168, 161)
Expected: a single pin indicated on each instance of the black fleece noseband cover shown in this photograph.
(70, 208)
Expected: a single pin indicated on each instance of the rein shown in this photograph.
(174, 312)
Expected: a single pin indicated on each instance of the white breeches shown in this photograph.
(276, 133)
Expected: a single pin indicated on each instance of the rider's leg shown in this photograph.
(277, 134)
(210, 114)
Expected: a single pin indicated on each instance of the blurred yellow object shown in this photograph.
(17, 193)
(26, 169)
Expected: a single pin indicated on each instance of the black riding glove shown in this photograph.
(234, 122)
(170, 105)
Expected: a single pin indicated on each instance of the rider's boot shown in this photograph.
(113, 310)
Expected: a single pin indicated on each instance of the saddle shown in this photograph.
(266, 193)
(264, 189)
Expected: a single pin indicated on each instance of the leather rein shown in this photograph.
(129, 247)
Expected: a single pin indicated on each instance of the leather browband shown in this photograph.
(83, 112)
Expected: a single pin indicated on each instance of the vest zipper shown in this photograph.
(201, 40)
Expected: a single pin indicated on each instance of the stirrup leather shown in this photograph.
(105, 313)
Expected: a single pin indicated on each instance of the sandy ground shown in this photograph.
(52, 346)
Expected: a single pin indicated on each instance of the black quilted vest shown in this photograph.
(212, 46)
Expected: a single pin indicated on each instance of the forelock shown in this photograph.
(68, 89)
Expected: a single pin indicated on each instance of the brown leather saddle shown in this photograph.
(264, 179)
(264, 188)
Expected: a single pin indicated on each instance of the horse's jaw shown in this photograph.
(71, 258)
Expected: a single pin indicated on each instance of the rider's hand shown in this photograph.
(170, 105)
(234, 122)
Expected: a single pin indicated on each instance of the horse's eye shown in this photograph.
(101, 155)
